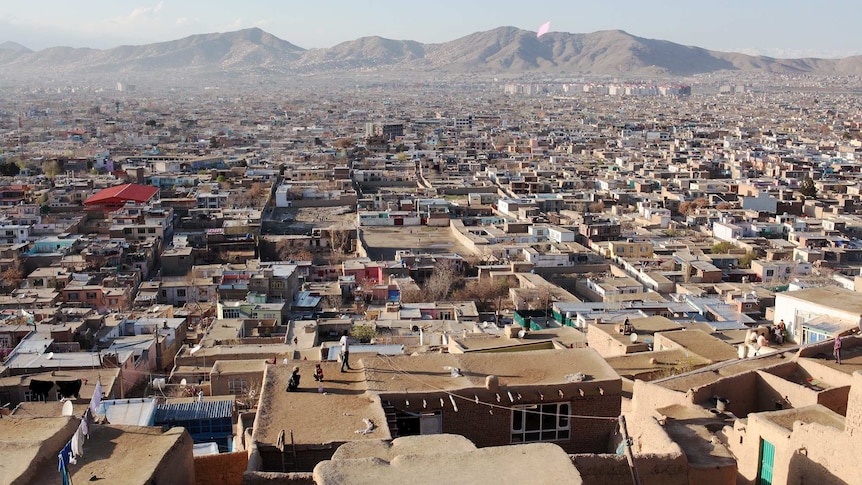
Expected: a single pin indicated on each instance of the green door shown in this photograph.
(767, 459)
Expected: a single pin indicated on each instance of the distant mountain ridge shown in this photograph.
(501, 50)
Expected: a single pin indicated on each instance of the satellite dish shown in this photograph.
(633, 337)
(68, 409)
(159, 383)
(522, 333)
(50, 355)
(183, 382)
(194, 349)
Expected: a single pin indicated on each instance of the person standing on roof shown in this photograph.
(836, 350)
(345, 351)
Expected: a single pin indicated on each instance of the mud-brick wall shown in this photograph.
(224, 468)
(605, 469)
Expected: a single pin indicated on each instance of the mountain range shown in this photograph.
(501, 50)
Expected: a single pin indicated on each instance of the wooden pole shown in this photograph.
(627, 442)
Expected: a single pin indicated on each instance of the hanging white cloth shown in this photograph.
(85, 426)
(96, 401)
(78, 442)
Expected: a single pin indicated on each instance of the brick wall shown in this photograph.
(476, 423)
(224, 468)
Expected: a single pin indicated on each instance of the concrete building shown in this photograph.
(816, 314)
(491, 399)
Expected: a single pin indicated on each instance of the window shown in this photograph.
(543, 422)
(127, 230)
(73, 296)
(181, 292)
(769, 272)
(91, 296)
(231, 313)
(151, 230)
(141, 230)
(237, 385)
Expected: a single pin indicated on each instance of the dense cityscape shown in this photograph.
(374, 278)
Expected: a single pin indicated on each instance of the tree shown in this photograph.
(441, 282)
(723, 206)
(412, 294)
(701, 202)
(745, 260)
(12, 277)
(487, 295)
(686, 208)
(333, 301)
(807, 187)
(597, 206)
(9, 169)
(51, 168)
(339, 244)
(363, 333)
(286, 251)
(721, 248)
(256, 190)
(344, 143)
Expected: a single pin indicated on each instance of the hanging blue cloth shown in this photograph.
(63, 458)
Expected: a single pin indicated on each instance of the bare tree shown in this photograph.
(597, 206)
(412, 294)
(441, 282)
(486, 294)
(333, 301)
(287, 251)
(12, 278)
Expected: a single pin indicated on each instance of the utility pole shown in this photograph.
(630, 457)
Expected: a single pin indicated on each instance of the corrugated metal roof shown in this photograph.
(192, 411)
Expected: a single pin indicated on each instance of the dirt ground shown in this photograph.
(382, 242)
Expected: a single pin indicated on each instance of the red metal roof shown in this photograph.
(122, 193)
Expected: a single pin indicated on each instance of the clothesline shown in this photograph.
(475, 399)
(74, 448)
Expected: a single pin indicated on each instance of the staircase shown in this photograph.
(391, 420)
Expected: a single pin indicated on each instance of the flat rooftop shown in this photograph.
(702, 344)
(661, 362)
(238, 366)
(119, 454)
(567, 336)
(333, 416)
(691, 428)
(27, 443)
(830, 296)
(702, 377)
(383, 242)
(816, 413)
(431, 372)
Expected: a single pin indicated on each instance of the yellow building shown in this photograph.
(625, 249)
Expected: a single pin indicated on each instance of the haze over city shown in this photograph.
(267, 242)
(795, 28)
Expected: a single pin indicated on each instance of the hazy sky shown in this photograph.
(785, 28)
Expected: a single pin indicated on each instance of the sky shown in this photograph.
(780, 28)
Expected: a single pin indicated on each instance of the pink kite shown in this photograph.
(543, 29)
